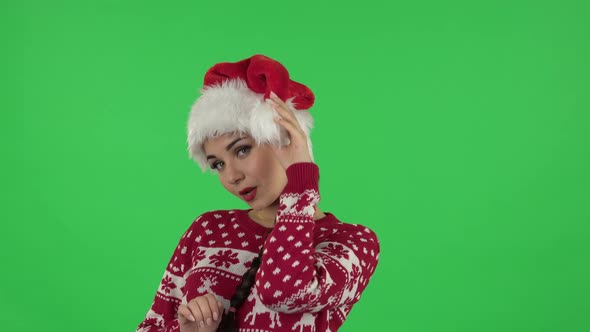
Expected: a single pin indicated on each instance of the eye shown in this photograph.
(245, 148)
(240, 151)
(215, 164)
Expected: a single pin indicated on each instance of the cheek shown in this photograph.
(224, 184)
(265, 166)
(274, 173)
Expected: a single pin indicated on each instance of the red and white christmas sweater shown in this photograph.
(312, 271)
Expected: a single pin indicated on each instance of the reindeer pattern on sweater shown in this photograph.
(312, 271)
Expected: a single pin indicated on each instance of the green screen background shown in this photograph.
(457, 130)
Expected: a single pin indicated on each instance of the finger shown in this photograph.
(283, 114)
(184, 314)
(212, 306)
(220, 309)
(205, 307)
(294, 133)
(289, 115)
(291, 118)
(283, 110)
(276, 98)
(196, 310)
(280, 103)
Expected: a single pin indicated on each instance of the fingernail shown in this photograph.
(215, 316)
(202, 323)
(191, 318)
(209, 321)
(272, 94)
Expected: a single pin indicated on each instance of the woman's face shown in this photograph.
(241, 163)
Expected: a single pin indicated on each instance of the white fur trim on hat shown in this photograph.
(231, 107)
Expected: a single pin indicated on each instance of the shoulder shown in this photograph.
(357, 240)
(334, 227)
(208, 218)
(349, 242)
(207, 225)
(216, 215)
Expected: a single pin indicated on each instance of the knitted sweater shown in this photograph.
(312, 271)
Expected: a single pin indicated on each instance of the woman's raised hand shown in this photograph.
(201, 314)
(297, 150)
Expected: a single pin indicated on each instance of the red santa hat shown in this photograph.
(233, 100)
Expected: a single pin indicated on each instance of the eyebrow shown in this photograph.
(229, 146)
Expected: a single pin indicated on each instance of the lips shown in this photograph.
(245, 190)
(248, 194)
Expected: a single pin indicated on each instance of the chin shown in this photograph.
(255, 204)
(259, 204)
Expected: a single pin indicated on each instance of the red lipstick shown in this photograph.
(248, 194)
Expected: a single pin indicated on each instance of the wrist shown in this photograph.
(301, 176)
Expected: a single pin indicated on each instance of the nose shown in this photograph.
(234, 175)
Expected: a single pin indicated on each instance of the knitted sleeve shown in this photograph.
(162, 315)
(298, 276)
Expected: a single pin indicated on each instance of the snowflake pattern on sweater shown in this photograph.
(312, 271)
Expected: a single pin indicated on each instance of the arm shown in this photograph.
(162, 315)
(295, 275)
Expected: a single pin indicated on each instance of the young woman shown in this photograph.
(282, 264)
